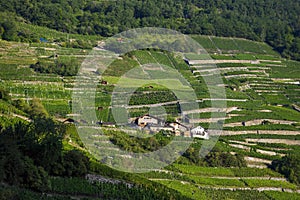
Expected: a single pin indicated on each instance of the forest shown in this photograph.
(276, 22)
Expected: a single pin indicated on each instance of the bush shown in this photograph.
(4, 95)
(60, 67)
(75, 164)
(289, 166)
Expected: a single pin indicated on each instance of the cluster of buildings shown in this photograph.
(154, 124)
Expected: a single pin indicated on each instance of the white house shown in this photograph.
(199, 132)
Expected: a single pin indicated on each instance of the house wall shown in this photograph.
(147, 120)
(198, 131)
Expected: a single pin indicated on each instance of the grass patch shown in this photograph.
(203, 171)
(256, 183)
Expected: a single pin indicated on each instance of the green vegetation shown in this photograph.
(136, 144)
(37, 149)
(225, 172)
(217, 181)
(194, 192)
(36, 86)
(289, 166)
(217, 157)
(204, 171)
(282, 72)
(78, 186)
(61, 67)
(140, 98)
(260, 20)
(254, 172)
(281, 195)
(269, 183)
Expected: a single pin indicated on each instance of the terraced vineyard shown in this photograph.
(205, 182)
(261, 121)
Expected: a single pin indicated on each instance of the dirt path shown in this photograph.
(151, 105)
(224, 69)
(102, 179)
(201, 62)
(260, 189)
(245, 146)
(259, 122)
(269, 153)
(244, 75)
(237, 100)
(226, 177)
(22, 117)
(235, 188)
(257, 160)
(18, 116)
(254, 177)
(207, 120)
(202, 110)
(205, 110)
(42, 99)
(240, 142)
(271, 132)
(240, 146)
(275, 141)
(44, 83)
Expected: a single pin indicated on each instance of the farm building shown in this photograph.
(199, 132)
(148, 119)
(154, 124)
(178, 126)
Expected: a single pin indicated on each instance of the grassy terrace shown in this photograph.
(52, 35)
(261, 102)
(199, 192)
(213, 183)
(224, 172)
(255, 50)
(233, 45)
(61, 93)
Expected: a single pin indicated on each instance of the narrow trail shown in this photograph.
(204, 110)
(18, 116)
(22, 117)
(226, 177)
(275, 141)
(259, 122)
(280, 189)
(268, 132)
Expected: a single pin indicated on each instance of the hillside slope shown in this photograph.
(262, 122)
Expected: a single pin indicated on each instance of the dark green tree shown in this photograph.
(289, 166)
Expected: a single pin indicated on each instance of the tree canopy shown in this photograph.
(275, 21)
(289, 166)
